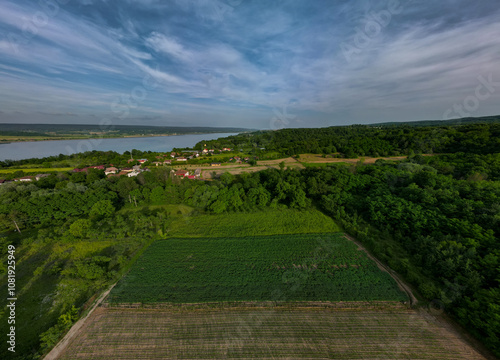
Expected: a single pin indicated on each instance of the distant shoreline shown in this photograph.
(10, 141)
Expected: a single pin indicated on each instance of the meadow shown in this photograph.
(184, 223)
(35, 170)
(303, 267)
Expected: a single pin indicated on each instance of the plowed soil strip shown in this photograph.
(265, 333)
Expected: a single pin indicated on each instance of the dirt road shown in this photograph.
(401, 284)
(75, 329)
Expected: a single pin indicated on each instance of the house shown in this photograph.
(127, 170)
(133, 173)
(110, 170)
(197, 172)
(136, 168)
(192, 177)
(130, 160)
(157, 163)
(142, 161)
(181, 173)
(25, 179)
(211, 151)
(215, 164)
(167, 162)
(181, 159)
(204, 152)
(172, 155)
(226, 149)
(41, 176)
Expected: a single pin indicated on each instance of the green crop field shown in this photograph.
(35, 170)
(312, 267)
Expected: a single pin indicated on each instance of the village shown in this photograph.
(180, 161)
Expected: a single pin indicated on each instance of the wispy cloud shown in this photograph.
(227, 63)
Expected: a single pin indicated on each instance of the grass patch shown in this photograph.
(35, 170)
(301, 267)
(316, 165)
(270, 222)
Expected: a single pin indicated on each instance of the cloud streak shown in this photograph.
(230, 63)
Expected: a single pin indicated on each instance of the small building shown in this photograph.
(142, 161)
(157, 163)
(167, 162)
(133, 173)
(98, 167)
(197, 172)
(25, 179)
(192, 177)
(136, 168)
(181, 173)
(215, 164)
(172, 155)
(127, 170)
(211, 151)
(204, 152)
(226, 149)
(130, 160)
(181, 159)
(2, 181)
(110, 170)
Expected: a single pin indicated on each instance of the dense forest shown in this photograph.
(434, 219)
(362, 140)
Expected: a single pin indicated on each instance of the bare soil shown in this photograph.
(266, 333)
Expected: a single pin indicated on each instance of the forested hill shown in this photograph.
(363, 140)
(461, 121)
(114, 130)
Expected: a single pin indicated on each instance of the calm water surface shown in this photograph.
(40, 149)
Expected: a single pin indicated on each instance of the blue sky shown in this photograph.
(247, 63)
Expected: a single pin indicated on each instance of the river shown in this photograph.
(40, 149)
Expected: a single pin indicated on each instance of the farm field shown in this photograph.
(35, 170)
(307, 267)
(266, 333)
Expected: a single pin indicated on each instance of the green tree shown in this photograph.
(102, 209)
(80, 228)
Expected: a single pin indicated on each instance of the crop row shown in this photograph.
(312, 267)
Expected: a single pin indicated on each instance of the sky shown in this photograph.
(247, 63)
